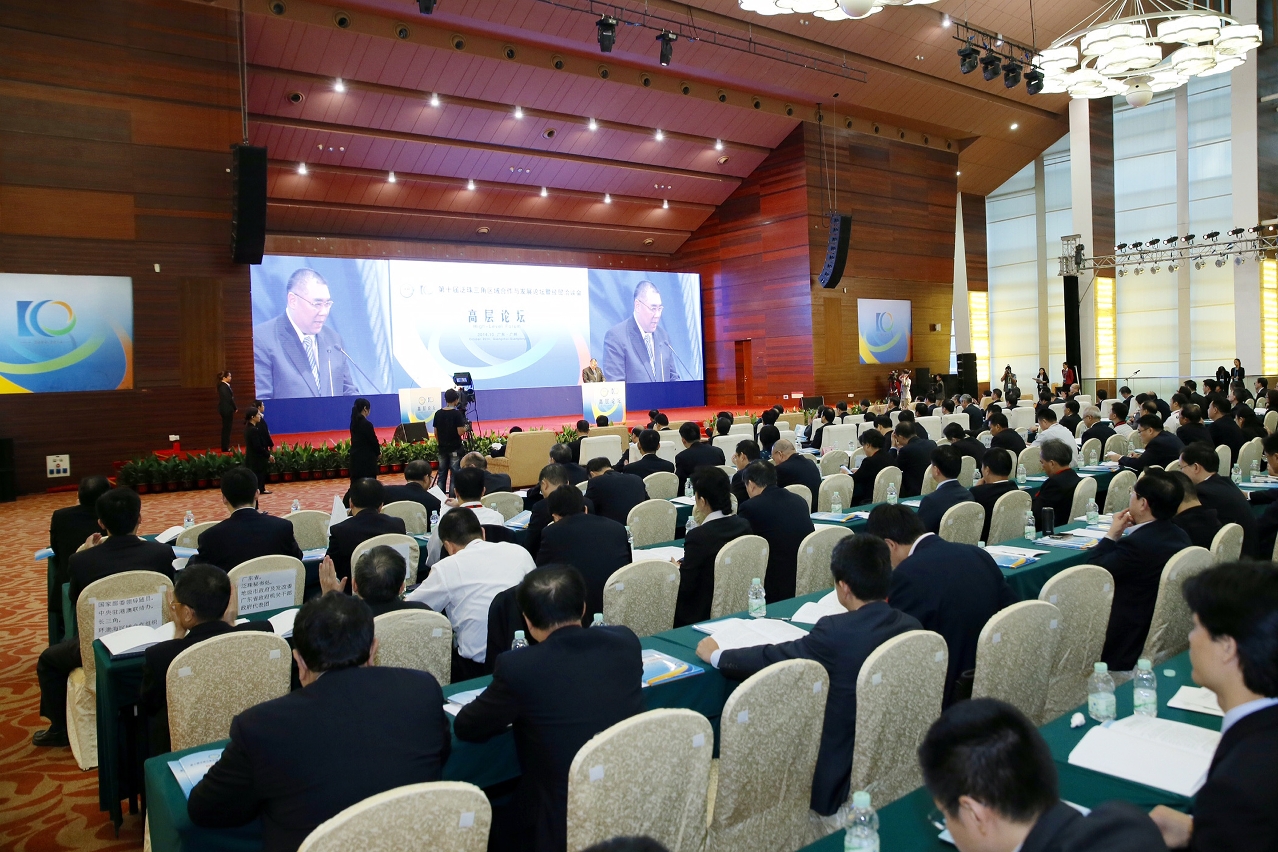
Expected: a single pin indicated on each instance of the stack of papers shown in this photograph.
(682, 501)
(282, 622)
(813, 611)
(1101, 520)
(665, 554)
(1197, 699)
(191, 769)
(520, 521)
(184, 552)
(733, 633)
(1069, 540)
(459, 700)
(134, 640)
(314, 554)
(837, 517)
(1155, 752)
(1036, 478)
(169, 536)
(912, 501)
(1013, 557)
(663, 668)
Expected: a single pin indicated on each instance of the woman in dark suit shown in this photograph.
(365, 449)
(701, 546)
(1237, 374)
(225, 407)
(257, 454)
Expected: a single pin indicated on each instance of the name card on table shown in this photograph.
(262, 592)
(115, 615)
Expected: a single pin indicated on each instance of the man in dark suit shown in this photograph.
(366, 521)
(552, 476)
(862, 574)
(295, 354)
(556, 694)
(913, 457)
(1191, 428)
(649, 462)
(637, 349)
(950, 588)
(493, 482)
(991, 773)
(285, 766)
(246, 533)
(907, 416)
(1223, 429)
(994, 484)
(703, 542)
(1136, 562)
(1003, 438)
(561, 455)
(946, 465)
(614, 493)
(1235, 609)
(119, 513)
(378, 578)
(794, 469)
(1072, 416)
(696, 453)
(1096, 427)
(263, 429)
(876, 458)
(414, 489)
(225, 408)
(959, 440)
(596, 546)
(747, 451)
(1057, 493)
(1161, 447)
(1199, 522)
(1201, 464)
(69, 528)
(975, 417)
(783, 519)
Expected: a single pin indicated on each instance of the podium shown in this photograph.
(606, 398)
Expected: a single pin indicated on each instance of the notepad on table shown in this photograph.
(1067, 540)
(1013, 557)
(813, 611)
(169, 536)
(733, 633)
(682, 501)
(837, 517)
(1155, 752)
(520, 521)
(663, 668)
(458, 700)
(913, 501)
(665, 554)
(134, 640)
(1197, 699)
(192, 768)
(282, 622)
(314, 553)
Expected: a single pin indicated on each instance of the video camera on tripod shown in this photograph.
(466, 387)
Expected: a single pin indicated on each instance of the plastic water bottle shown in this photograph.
(188, 520)
(520, 641)
(758, 600)
(297, 506)
(1145, 689)
(1020, 474)
(891, 494)
(687, 489)
(862, 833)
(1092, 459)
(976, 477)
(836, 503)
(434, 519)
(1235, 473)
(598, 622)
(1101, 705)
(1031, 532)
(1093, 515)
(1255, 469)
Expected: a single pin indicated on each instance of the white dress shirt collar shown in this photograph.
(914, 546)
(301, 335)
(1244, 710)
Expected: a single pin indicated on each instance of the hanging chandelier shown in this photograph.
(830, 10)
(1138, 47)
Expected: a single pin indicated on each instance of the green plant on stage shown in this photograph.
(482, 442)
(305, 456)
(130, 473)
(343, 449)
(566, 435)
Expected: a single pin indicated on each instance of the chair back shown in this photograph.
(620, 430)
(1105, 406)
(932, 425)
(1172, 465)
(506, 502)
(967, 471)
(1032, 458)
(898, 697)
(739, 561)
(1169, 628)
(839, 436)
(961, 419)
(415, 639)
(1271, 421)
(815, 553)
(1250, 452)
(661, 485)
(728, 443)
(268, 582)
(729, 469)
(929, 482)
(663, 753)
(642, 596)
(963, 523)
(789, 435)
(527, 453)
(1084, 491)
(1008, 520)
(310, 528)
(581, 486)
(213, 681)
(396, 541)
(802, 490)
(412, 513)
(1091, 447)
(107, 597)
(769, 736)
(743, 427)
(438, 816)
(1227, 545)
(1116, 444)
(1084, 595)
(1120, 491)
(190, 537)
(832, 461)
(652, 522)
(668, 450)
(1226, 459)
(889, 475)
(835, 483)
(1080, 429)
(1135, 441)
(607, 446)
(1015, 656)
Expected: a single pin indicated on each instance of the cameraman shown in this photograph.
(450, 427)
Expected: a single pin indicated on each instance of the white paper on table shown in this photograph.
(1155, 752)
(170, 535)
(338, 514)
(282, 622)
(813, 611)
(1197, 699)
(184, 552)
(682, 501)
(521, 493)
(263, 592)
(314, 553)
(115, 615)
(732, 633)
(179, 564)
(134, 640)
(1088, 532)
(665, 554)
(190, 770)
(1100, 519)
(458, 700)
(1009, 550)
(520, 521)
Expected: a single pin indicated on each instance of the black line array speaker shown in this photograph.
(921, 383)
(1073, 329)
(248, 203)
(967, 372)
(836, 252)
(8, 472)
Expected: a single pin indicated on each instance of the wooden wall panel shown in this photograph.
(974, 236)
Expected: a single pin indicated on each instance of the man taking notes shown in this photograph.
(637, 349)
(295, 355)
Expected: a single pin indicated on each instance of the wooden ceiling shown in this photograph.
(720, 111)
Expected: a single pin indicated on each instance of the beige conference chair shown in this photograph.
(287, 570)
(652, 522)
(190, 537)
(415, 639)
(1084, 491)
(1119, 495)
(963, 523)
(392, 540)
(213, 681)
(661, 485)
(505, 502)
(642, 596)
(832, 461)
(1227, 544)
(1016, 654)
(413, 514)
(1031, 457)
(815, 553)
(1084, 595)
(802, 490)
(437, 816)
(310, 528)
(1169, 628)
(835, 483)
(1008, 520)
(739, 562)
(889, 475)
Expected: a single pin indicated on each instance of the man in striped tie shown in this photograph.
(296, 354)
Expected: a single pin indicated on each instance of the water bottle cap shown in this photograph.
(598, 617)
(1144, 665)
(861, 799)
(756, 581)
(1100, 667)
(519, 634)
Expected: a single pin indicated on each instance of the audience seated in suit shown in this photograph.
(876, 458)
(649, 462)
(1201, 464)
(1097, 428)
(913, 457)
(552, 476)
(557, 695)
(1049, 430)
(1072, 416)
(463, 584)
(379, 579)
(1118, 417)
(818, 428)
(1057, 493)
(1224, 429)
(574, 446)
(299, 760)
(747, 451)
(614, 493)
(994, 484)
(975, 417)
(946, 465)
(1248, 422)
(950, 588)
(493, 482)
(1267, 525)
(468, 488)
(991, 774)
(561, 455)
(703, 542)
(415, 488)
(1136, 562)
(768, 436)
(794, 469)
(1003, 438)
(696, 453)
(1191, 428)
(596, 546)
(1199, 522)
(246, 533)
(1161, 447)
(967, 446)
(70, 527)
(366, 521)
(1231, 647)
(862, 572)
(782, 519)
(908, 417)
(119, 513)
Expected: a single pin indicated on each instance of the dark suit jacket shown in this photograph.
(1164, 409)
(1163, 449)
(246, 534)
(971, 447)
(412, 492)
(1071, 421)
(797, 470)
(345, 538)
(1238, 806)
(225, 399)
(1267, 531)
(783, 519)
(115, 555)
(1110, 827)
(987, 495)
(696, 456)
(914, 459)
(952, 589)
(1137, 563)
(594, 545)
(934, 506)
(281, 369)
(1008, 439)
(1102, 430)
(283, 763)
(975, 419)
(495, 482)
(1057, 493)
(648, 465)
(266, 434)
(615, 494)
(696, 573)
(1191, 432)
(1225, 431)
(540, 520)
(840, 643)
(1219, 493)
(863, 477)
(1200, 523)
(257, 451)
(68, 529)
(626, 355)
(739, 489)
(365, 448)
(557, 695)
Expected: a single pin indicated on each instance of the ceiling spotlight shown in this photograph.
(390, 178)
(543, 192)
(426, 7)
(659, 135)
(665, 204)
(1122, 272)
(1199, 263)
(1015, 125)
(1212, 235)
(1172, 267)
(434, 99)
(718, 144)
(1137, 245)
(667, 40)
(301, 168)
(956, 174)
(1254, 229)
(1120, 247)
(1171, 240)
(946, 21)
(991, 66)
(1139, 270)
(592, 125)
(1239, 260)
(1220, 261)
(470, 184)
(1011, 75)
(998, 40)
(1033, 81)
(607, 26)
(1155, 241)
(1153, 270)
(1189, 238)
(607, 198)
(519, 112)
(969, 58)
(339, 86)
(1237, 232)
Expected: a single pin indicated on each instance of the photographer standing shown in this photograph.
(450, 427)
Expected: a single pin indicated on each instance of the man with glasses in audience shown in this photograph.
(296, 354)
(637, 349)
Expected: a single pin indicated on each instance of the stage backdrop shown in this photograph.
(374, 327)
(886, 335)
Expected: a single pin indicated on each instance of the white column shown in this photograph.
(1245, 186)
(1182, 228)
(962, 322)
(1080, 178)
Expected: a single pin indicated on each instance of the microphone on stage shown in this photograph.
(372, 384)
(678, 360)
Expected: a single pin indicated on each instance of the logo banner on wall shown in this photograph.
(418, 405)
(606, 398)
(885, 331)
(65, 333)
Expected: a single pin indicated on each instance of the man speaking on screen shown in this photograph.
(637, 349)
(294, 355)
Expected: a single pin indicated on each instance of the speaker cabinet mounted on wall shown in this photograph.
(836, 252)
(248, 203)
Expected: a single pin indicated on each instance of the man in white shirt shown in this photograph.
(1172, 423)
(463, 585)
(1050, 430)
(468, 485)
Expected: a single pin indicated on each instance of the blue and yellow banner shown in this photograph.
(885, 331)
(606, 398)
(418, 405)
